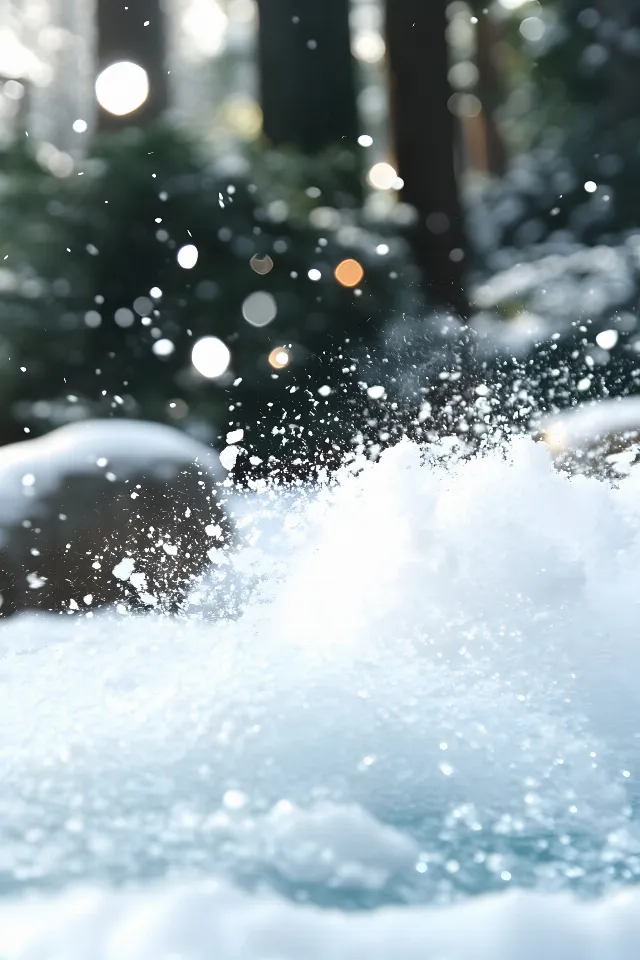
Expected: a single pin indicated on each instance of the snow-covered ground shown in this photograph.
(401, 722)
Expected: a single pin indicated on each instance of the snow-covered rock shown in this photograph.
(102, 511)
(599, 437)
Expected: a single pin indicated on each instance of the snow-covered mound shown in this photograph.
(104, 511)
(423, 691)
(123, 446)
(214, 920)
(586, 425)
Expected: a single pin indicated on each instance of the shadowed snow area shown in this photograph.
(407, 690)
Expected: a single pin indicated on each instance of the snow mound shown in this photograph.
(120, 446)
(413, 686)
(588, 423)
(213, 919)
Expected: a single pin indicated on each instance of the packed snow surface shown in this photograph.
(401, 722)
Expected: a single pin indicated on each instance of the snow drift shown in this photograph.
(408, 690)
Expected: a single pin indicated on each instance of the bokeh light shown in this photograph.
(261, 265)
(349, 273)
(122, 88)
(163, 347)
(279, 358)
(259, 309)
(383, 176)
(368, 46)
(211, 357)
(204, 26)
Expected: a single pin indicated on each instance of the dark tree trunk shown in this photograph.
(423, 129)
(306, 74)
(490, 92)
(122, 35)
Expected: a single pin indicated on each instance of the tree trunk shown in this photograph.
(423, 129)
(306, 74)
(122, 35)
(490, 92)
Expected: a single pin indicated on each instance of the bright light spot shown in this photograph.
(122, 88)
(532, 28)
(607, 339)
(163, 348)
(279, 358)
(590, 186)
(382, 176)
(187, 256)
(80, 126)
(155, 292)
(261, 265)
(368, 46)
(92, 319)
(382, 249)
(314, 275)
(512, 4)
(211, 357)
(259, 309)
(204, 24)
(349, 273)
(365, 140)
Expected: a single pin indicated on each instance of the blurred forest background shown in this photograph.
(304, 223)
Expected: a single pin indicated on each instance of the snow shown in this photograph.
(586, 424)
(36, 467)
(410, 692)
(201, 921)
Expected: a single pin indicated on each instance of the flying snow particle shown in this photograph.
(187, 256)
(376, 393)
(228, 457)
(124, 569)
(607, 339)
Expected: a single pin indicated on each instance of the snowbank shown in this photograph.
(424, 690)
(92, 446)
(214, 920)
(585, 425)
